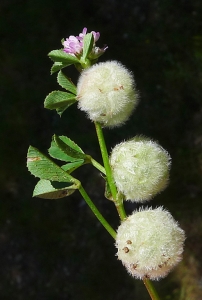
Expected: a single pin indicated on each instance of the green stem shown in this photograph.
(118, 200)
(151, 290)
(97, 165)
(105, 158)
(96, 212)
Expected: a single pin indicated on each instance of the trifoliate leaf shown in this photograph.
(61, 56)
(66, 83)
(57, 66)
(53, 190)
(69, 147)
(58, 99)
(87, 44)
(43, 167)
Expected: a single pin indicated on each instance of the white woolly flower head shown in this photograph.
(150, 243)
(140, 168)
(106, 92)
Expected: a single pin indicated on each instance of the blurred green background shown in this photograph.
(57, 249)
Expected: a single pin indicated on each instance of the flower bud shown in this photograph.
(140, 168)
(150, 243)
(106, 92)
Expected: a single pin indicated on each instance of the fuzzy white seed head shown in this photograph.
(106, 92)
(140, 168)
(150, 243)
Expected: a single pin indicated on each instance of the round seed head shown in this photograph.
(156, 243)
(140, 168)
(106, 92)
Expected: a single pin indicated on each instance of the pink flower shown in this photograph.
(96, 35)
(81, 35)
(74, 44)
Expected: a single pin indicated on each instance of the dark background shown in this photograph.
(57, 249)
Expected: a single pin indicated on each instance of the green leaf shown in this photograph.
(70, 143)
(66, 83)
(70, 167)
(43, 167)
(57, 153)
(57, 66)
(58, 99)
(69, 147)
(63, 57)
(88, 42)
(47, 189)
